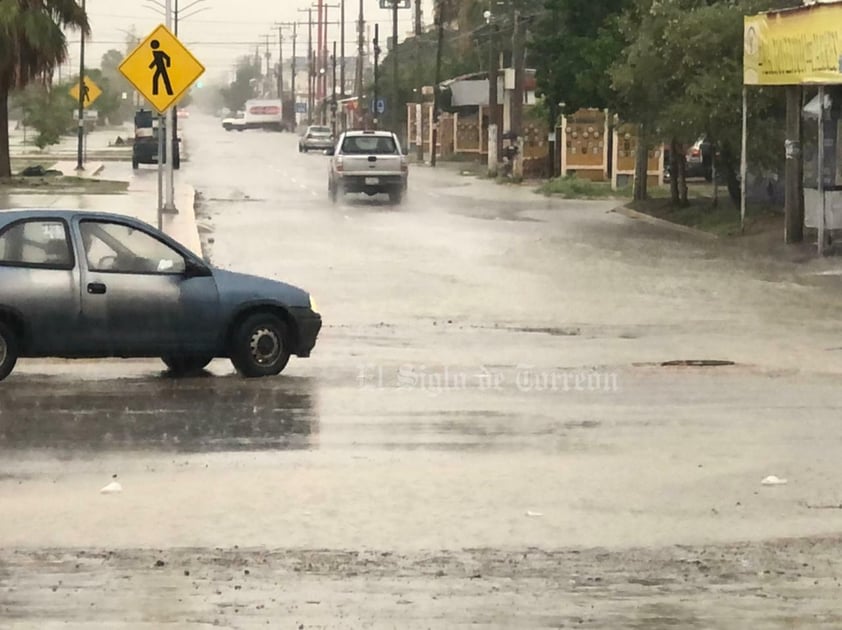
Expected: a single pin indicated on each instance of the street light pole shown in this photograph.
(80, 158)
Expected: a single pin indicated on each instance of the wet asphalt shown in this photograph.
(489, 377)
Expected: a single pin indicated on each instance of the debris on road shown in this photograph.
(772, 480)
(112, 488)
(536, 514)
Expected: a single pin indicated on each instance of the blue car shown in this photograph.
(77, 284)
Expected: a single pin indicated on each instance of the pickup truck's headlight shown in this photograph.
(313, 306)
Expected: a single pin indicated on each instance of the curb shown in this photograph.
(675, 227)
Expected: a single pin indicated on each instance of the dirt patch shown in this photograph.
(730, 586)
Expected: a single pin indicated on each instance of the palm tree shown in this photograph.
(32, 44)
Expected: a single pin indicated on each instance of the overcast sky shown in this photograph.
(227, 29)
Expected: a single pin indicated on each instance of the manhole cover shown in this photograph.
(697, 363)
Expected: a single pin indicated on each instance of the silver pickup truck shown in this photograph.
(368, 162)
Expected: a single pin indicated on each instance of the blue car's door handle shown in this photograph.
(96, 288)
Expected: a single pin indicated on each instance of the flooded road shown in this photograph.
(485, 435)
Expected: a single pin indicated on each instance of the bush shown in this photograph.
(49, 112)
(571, 187)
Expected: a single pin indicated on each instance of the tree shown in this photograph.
(32, 44)
(49, 112)
(574, 43)
(679, 75)
(114, 108)
(242, 89)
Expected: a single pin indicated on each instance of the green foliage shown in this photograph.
(573, 44)
(110, 105)
(49, 112)
(242, 88)
(417, 67)
(32, 44)
(571, 187)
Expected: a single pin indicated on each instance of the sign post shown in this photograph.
(162, 69)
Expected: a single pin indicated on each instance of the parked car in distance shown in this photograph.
(145, 146)
(237, 122)
(368, 162)
(316, 138)
(699, 159)
(76, 284)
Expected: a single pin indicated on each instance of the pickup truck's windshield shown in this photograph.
(369, 145)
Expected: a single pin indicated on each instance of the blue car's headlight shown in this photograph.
(313, 306)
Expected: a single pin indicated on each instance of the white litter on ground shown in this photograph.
(772, 480)
(112, 488)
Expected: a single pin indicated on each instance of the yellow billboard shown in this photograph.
(793, 47)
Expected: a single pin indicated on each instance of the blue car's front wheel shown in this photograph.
(259, 346)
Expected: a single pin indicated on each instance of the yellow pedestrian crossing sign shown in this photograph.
(90, 91)
(161, 69)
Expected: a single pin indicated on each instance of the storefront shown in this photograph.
(803, 47)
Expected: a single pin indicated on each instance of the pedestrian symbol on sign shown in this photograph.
(380, 106)
(86, 92)
(161, 69)
(160, 63)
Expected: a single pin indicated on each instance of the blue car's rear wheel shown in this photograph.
(8, 351)
(259, 346)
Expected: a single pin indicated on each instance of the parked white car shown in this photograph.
(368, 162)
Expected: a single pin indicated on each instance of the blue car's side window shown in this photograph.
(38, 243)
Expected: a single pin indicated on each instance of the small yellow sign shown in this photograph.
(161, 69)
(90, 91)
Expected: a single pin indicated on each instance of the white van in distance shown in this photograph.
(265, 114)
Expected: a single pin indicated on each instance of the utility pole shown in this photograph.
(294, 70)
(342, 48)
(376, 71)
(358, 80)
(333, 99)
(321, 44)
(794, 201)
(310, 64)
(324, 60)
(494, 126)
(419, 149)
(517, 97)
(281, 65)
(395, 116)
(267, 91)
(80, 158)
(439, 45)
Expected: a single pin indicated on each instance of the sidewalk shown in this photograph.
(99, 144)
(141, 200)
